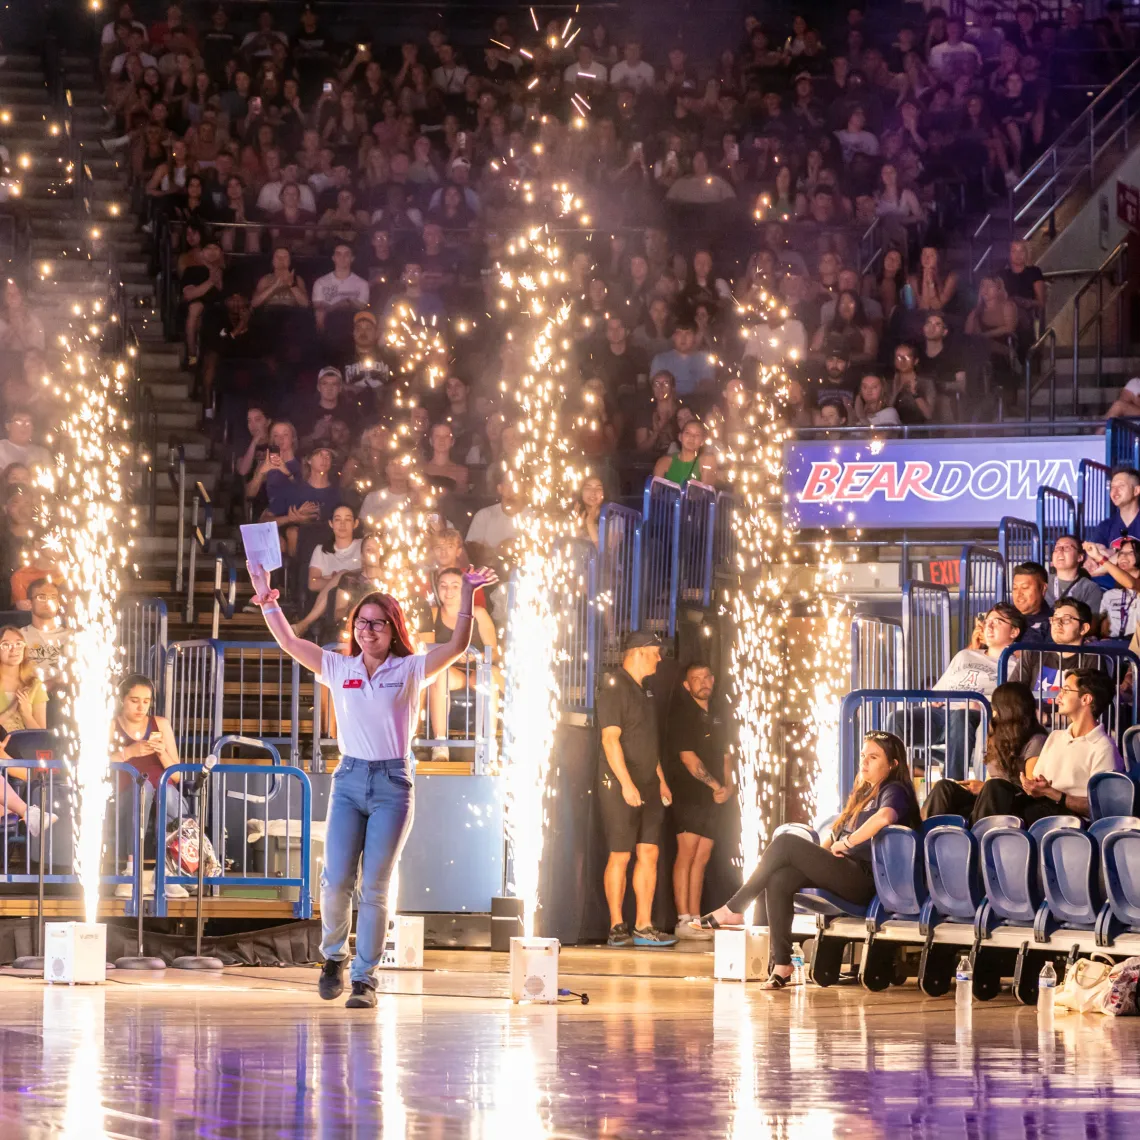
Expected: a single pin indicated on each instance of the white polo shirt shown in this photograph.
(1068, 762)
(375, 716)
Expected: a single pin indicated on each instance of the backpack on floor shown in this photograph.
(183, 847)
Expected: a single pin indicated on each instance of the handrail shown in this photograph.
(224, 602)
(1110, 265)
(1070, 151)
(178, 483)
(200, 537)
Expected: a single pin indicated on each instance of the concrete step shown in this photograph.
(167, 391)
(195, 445)
(183, 419)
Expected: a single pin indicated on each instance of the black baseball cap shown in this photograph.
(642, 639)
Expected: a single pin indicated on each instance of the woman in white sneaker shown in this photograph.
(145, 742)
(375, 692)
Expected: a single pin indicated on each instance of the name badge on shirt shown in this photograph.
(353, 683)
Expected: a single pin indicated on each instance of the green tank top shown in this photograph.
(680, 472)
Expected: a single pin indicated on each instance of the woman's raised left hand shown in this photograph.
(478, 578)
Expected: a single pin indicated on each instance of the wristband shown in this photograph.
(270, 609)
(462, 614)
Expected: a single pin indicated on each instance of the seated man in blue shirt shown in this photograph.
(1027, 592)
(1122, 522)
(693, 370)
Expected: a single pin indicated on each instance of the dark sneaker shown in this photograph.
(331, 984)
(652, 938)
(620, 936)
(362, 997)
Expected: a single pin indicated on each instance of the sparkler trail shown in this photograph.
(90, 542)
(541, 475)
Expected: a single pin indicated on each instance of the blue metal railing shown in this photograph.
(877, 660)
(1043, 665)
(724, 540)
(219, 776)
(142, 638)
(1056, 516)
(1122, 442)
(935, 726)
(618, 579)
(1018, 541)
(1093, 504)
(696, 537)
(926, 633)
(981, 585)
(660, 556)
(578, 640)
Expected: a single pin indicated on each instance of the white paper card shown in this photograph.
(262, 545)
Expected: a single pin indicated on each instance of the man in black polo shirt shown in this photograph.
(698, 775)
(632, 792)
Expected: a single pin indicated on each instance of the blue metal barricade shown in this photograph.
(618, 578)
(944, 732)
(1093, 503)
(578, 635)
(20, 860)
(1056, 516)
(696, 536)
(724, 540)
(660, 556)
(1122, 442)
(259, 694)
(1018, 541)
(981, 585)
(236, 852)
(142, 638)
(926, 633)
(876, 653)
(1043, 667)
(192, 695)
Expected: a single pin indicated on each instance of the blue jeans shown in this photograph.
(957, 735)
(370, 815)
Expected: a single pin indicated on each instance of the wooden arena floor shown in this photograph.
(660, 1051)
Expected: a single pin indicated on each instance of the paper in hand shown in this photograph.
(262, 544)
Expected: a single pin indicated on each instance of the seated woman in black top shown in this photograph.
(883, 794)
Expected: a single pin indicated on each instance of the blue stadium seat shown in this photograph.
(896, 860)
(955, 883)
(1071, 875)
(1111, 793)
(1011, 869)
(24, 743)
(1120, 857)
(1050, 822)
(990, 821)
(812, 900)
(1130, 750)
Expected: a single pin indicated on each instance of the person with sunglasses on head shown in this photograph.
(1068, 578)
(883, 795)
(375, 693)
(1118, 609)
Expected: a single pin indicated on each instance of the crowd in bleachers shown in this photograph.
(303, 185)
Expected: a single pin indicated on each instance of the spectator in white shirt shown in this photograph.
(451, 75)
(340, 289)
(269, 199)
(135, 41)
(338, 554)
(1056, 783)
(18, 447)
(587, 71)
(632, 72)
(1118, 606)
(46, 636)
(954, 56)
(493, 526)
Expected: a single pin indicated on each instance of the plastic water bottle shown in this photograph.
(964, 984)
(909, 300)
(1046, 992)
(797, 964)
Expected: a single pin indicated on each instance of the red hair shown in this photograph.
(401, 643)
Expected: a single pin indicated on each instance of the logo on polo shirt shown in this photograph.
(354, 683)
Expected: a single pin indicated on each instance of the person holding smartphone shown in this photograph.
(145, 742)
(375, 692)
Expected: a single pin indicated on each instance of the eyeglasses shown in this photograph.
(362, 624)
(1060, 619)
(877, 735)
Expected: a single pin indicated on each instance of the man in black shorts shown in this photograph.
(632, 793)
(699, 775)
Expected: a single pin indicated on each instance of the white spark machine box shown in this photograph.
(534, 970)
(75, 953)
(405, 950)
(741, 955)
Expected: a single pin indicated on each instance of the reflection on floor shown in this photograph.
(661, 1050)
